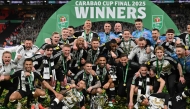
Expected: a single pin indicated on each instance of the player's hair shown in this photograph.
(88, 20)
(170, 31)
(180, 46)
(138, 20)
(144, 65)
(126, 30)
(113, 41)
(64, 29)
(71, 27)
(155, 29)
(107, 23)
(159, 48)
(101, 56)
(54, 33)
(48, 46)
(123, 55)
(66, 45)
(6, 52)
(28, 39)
(142, 39)
(95, 39)
(27, 59)
(88, 62)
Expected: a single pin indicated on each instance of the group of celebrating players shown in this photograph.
(89, 64)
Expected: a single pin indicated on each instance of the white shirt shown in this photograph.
(141, 54)
(25, 54)
(6, 69)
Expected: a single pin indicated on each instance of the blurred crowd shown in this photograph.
(32, 26)
(180, 16)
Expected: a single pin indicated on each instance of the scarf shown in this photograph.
(49, 70)
(89, 38)
(102, 76)
(77, 55)
(92, 58)
(88, 79)
(112, 73)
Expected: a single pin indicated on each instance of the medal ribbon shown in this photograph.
(159, 69)
(125, 74)
(64, 65)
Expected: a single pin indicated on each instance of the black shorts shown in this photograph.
(25, 94)
(59, 75)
